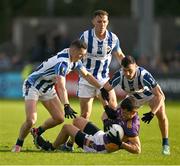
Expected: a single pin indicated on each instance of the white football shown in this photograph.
(115, 128)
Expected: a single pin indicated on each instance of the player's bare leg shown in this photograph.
(80, 123)
(86, 107)
(112, 99)
(31, 117)
(163, 125)
(57, 115)
(66, 131)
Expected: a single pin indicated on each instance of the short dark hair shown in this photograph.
(100, 12)
(78, 44)
(128, 104)
(127, 60)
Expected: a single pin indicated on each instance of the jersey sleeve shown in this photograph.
(61, 69)
(116, 79)
(149, 81)
(117, 46)
(81, 36)
(78, 65)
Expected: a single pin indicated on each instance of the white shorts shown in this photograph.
(32, 93)
(85, 90)
(97, 140)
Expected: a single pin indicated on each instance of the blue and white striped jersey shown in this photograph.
(43, 78)
(99, 53)
(142, 83)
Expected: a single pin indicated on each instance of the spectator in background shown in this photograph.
(5, 62)
(41, 50)
(175, 62)
(10, 59)
(60, 38)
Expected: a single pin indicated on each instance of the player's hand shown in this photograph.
(104, 94)
(111, 113)
(107, 123)
(69, 112)
(114, 139)
(147, 117)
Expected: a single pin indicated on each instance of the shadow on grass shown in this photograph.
(7, 149)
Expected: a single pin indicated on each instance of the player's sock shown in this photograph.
(165, 141)
(19, 142)
(166, 148)
(40, 130)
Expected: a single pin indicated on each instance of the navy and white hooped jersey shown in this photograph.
(99, 53)
(43, 78)
(141, 84)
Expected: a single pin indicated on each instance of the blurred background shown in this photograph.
(33, 30)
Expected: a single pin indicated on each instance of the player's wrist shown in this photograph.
(67, 104)
(122, 145)
(152, 113)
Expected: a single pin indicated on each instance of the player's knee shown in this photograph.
(163, 118)
(163, 97)
(85, 115)
(77, 120)
(30, 122)
(65, 127)
(161, 115)
(59, 119)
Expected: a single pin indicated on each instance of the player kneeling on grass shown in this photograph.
(91, 139)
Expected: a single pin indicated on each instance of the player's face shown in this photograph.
(78, 54)
(100, 24)
(128, 115)
(130, 71)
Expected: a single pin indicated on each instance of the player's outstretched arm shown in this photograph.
(133, 145)
(159, 98)
(119, 55)
(63, 95)
(61, 89)
(89, 77)
(105, 91)
(156, 102)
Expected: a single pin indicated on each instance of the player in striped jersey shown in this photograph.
(40, 86)
(141, 85)
(102, 44)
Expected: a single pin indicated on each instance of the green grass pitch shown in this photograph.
(12, 115)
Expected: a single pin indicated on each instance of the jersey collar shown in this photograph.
(94, 34)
